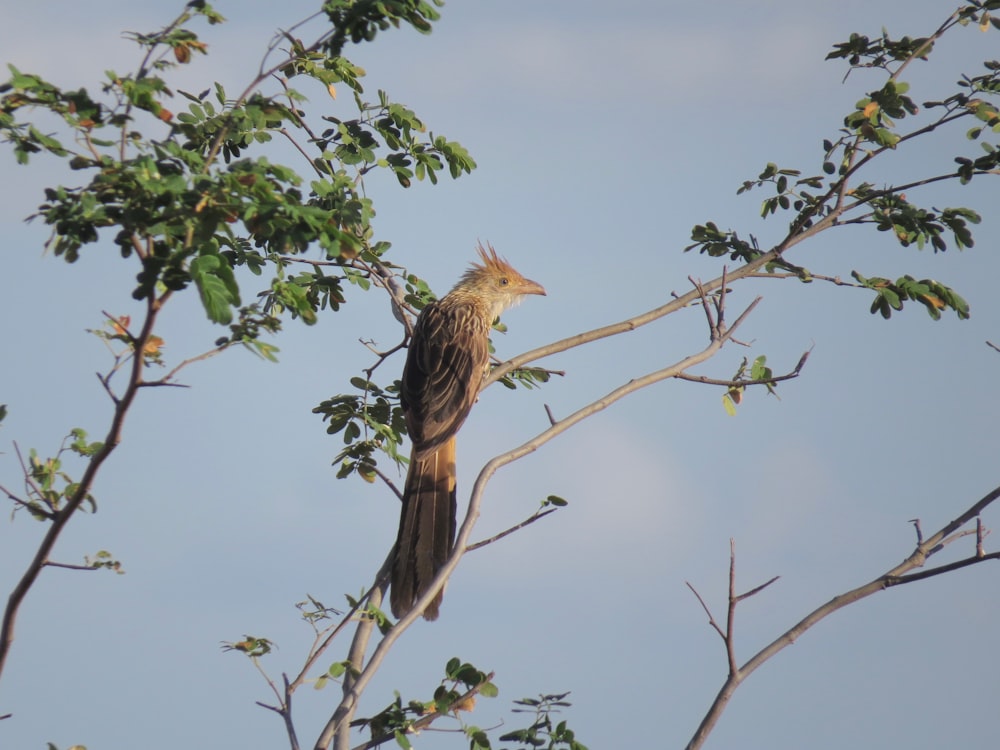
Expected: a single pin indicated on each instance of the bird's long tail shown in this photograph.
(426, 530)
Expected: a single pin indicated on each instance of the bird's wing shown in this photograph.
(444, 368)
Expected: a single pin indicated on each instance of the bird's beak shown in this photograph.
(531, 287)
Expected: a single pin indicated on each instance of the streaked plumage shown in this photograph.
(445, 365)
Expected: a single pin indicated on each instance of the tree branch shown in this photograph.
(893, 577)
(62, 516)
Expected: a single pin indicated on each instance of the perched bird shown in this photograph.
(448, 356)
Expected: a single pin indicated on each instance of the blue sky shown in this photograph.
(602, 133)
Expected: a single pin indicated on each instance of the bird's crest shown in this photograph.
(491, 261)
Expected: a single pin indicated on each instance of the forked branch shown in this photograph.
(896, 576)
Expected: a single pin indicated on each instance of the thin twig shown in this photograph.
(388, 482)
(516, 527)
(68, 566)
(711, 619)
(165, 380)
(756, 589)
(731, 612)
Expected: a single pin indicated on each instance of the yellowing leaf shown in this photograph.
(728, 405)
(153, 345)
(870, 109)
(332, 91)
(464, 705)
(933, 300)
(120, 326)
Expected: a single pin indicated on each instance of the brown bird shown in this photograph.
(448, 356)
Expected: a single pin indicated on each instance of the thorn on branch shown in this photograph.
(548, 411)
(920, 534)
(269, 707)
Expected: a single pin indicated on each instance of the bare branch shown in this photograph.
(711, 619)
(388, 482)
(165, 380)
(894, 577)
(731, 612)
(68, 566)
(538, 514)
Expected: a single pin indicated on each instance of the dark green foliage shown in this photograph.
(933, 295)
(455, 694)
(544, 731)
(360, 20)
(197, 202)
(372, 421)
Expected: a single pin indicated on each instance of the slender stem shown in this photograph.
(61, 517)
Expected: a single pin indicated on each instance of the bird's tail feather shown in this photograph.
(426, 530)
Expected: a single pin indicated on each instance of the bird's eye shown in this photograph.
(504, 281)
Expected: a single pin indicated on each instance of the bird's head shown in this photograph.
(496, 282)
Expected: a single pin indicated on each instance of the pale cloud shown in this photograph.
(633, 510)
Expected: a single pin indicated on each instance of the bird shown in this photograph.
(447, 359)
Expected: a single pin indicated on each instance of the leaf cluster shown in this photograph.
(544, 731)
(48, 485)
(194, 205)
(370, 421)
(456, 694)
(360, 20)
(934, 296)
(847, 191)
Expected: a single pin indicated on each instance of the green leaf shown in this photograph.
(489, 690)
(217, 287)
